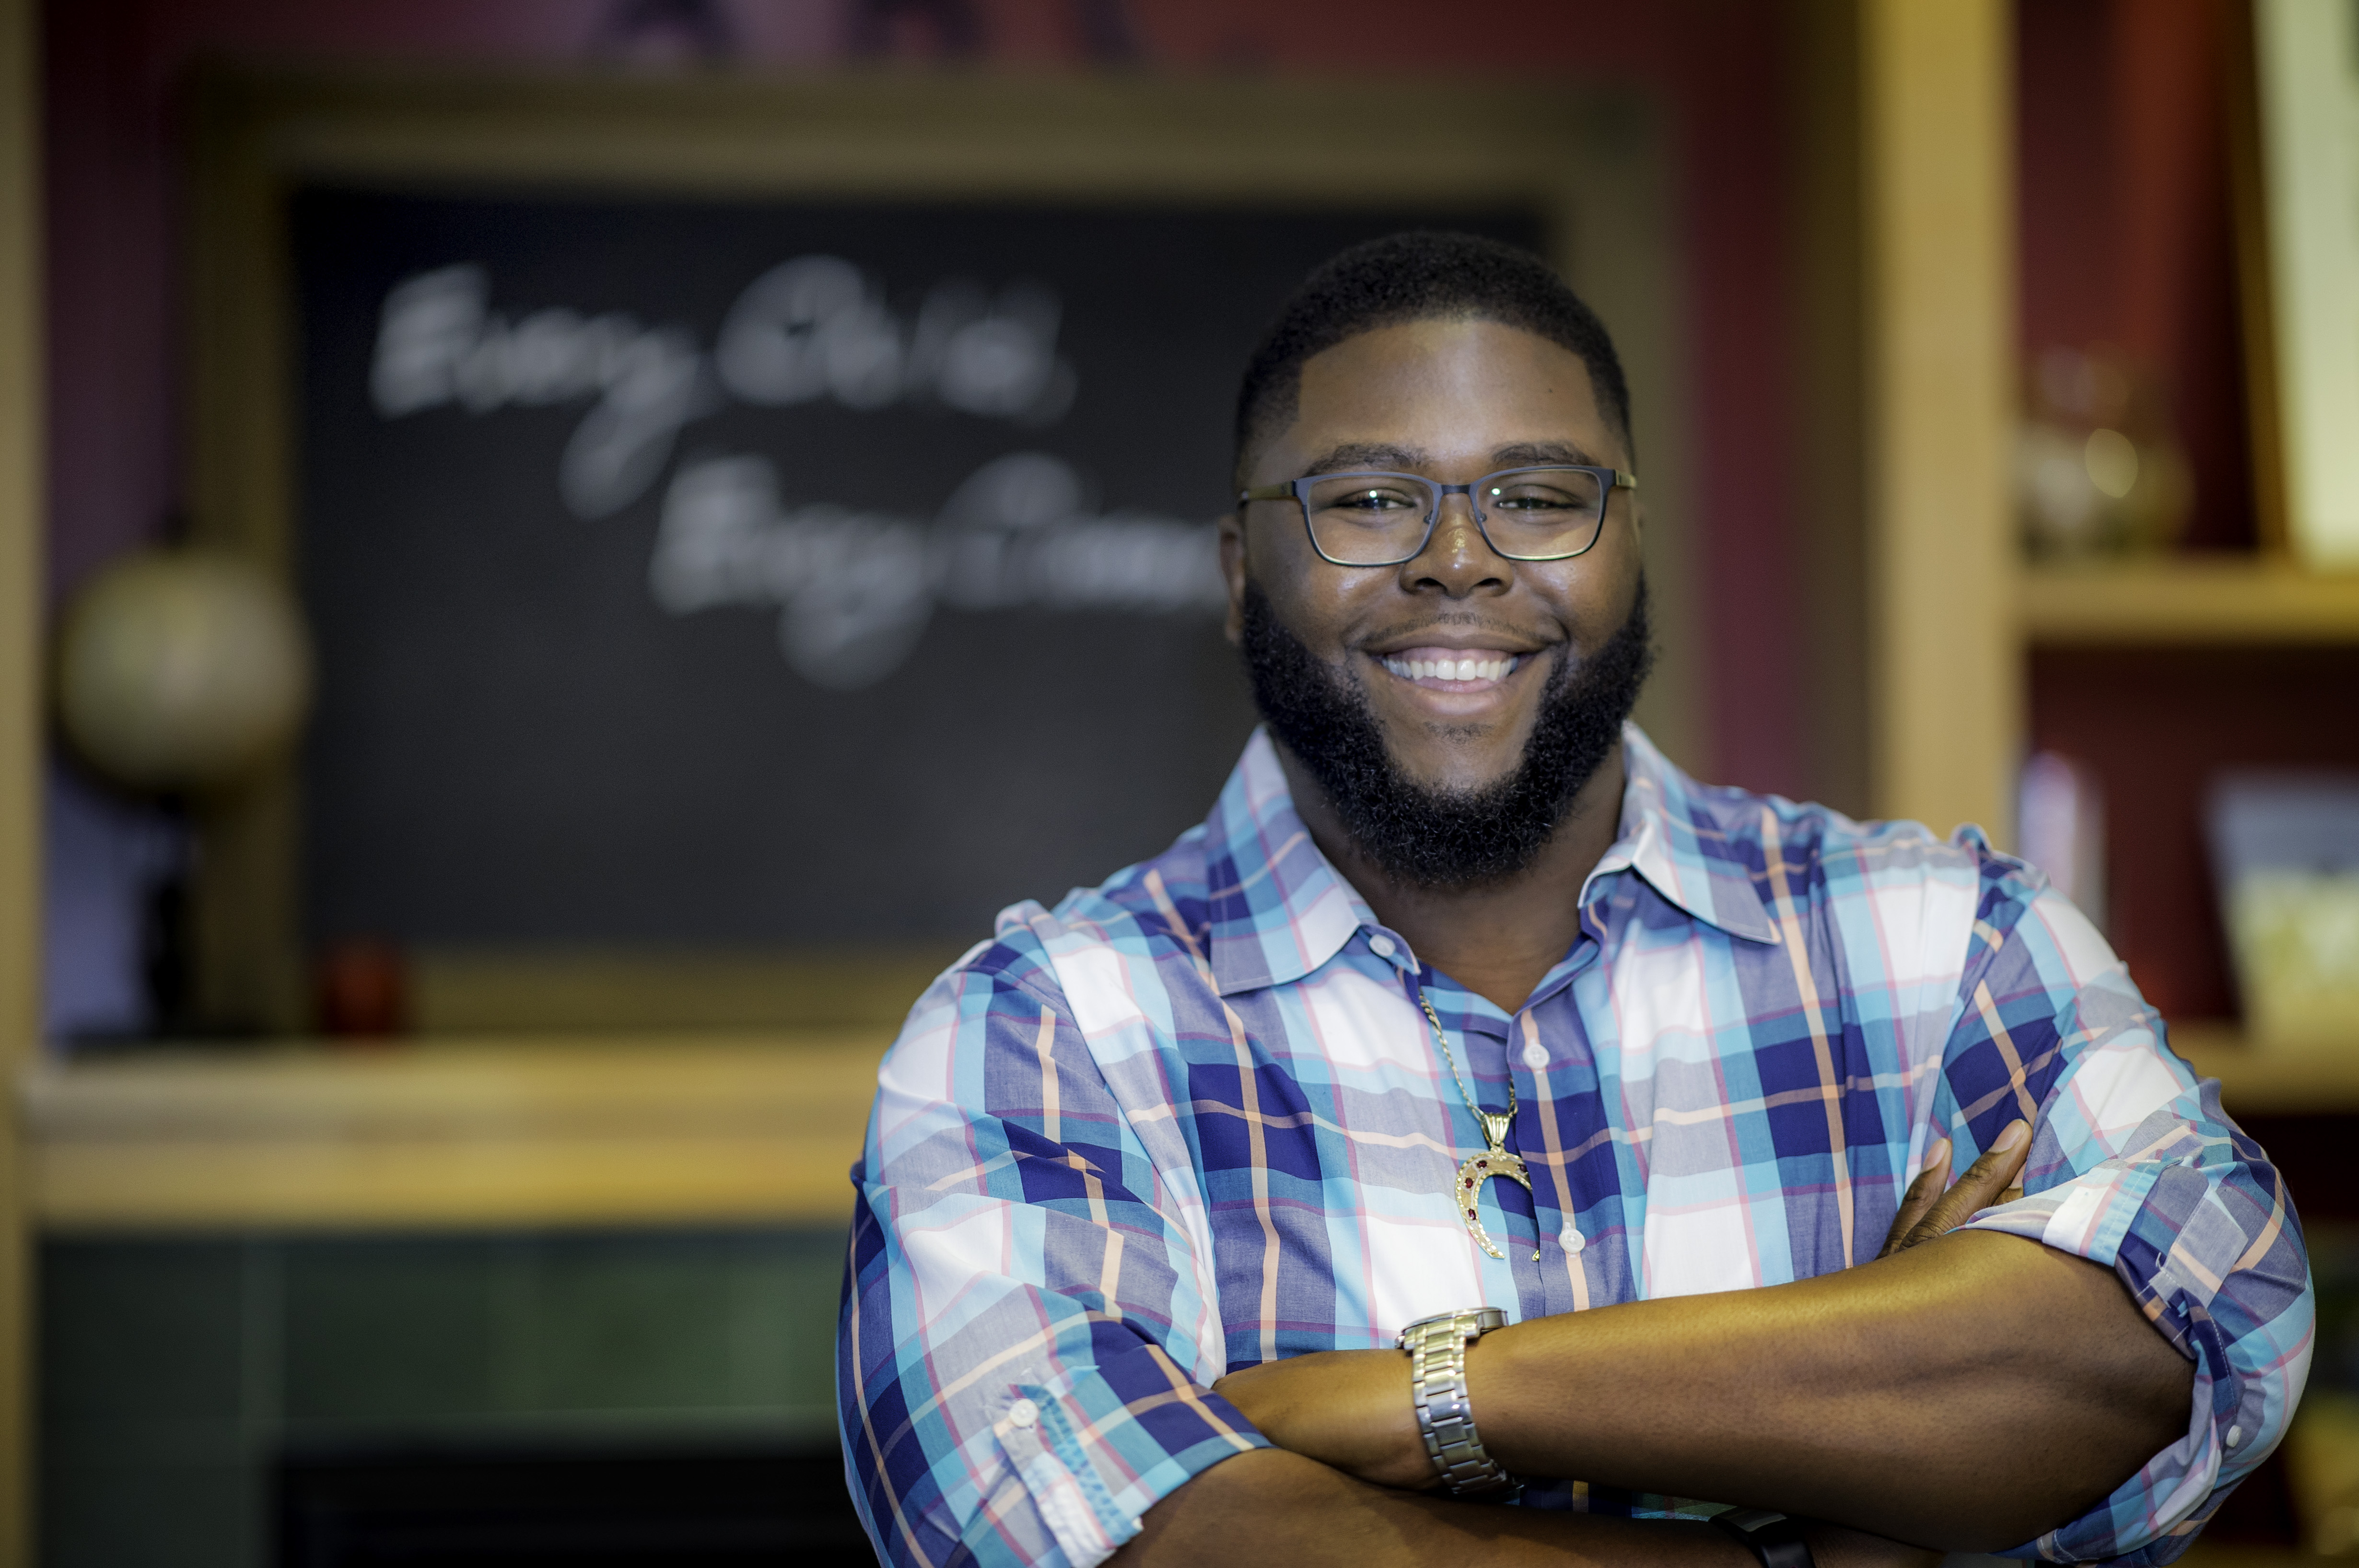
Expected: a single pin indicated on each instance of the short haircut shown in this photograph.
(1421, 275)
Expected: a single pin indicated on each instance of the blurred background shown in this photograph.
(573, 552)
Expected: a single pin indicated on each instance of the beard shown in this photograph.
(1445, 839)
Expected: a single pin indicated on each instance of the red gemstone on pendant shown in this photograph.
(1482, 1165)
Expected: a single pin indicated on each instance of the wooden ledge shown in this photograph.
(471, 1133)
(525, 1132)
(2262, 1080)
(2192, 599)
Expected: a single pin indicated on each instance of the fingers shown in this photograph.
(1923, 1193)
(1988, 1180)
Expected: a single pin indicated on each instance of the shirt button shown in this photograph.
(2235, 1435)
(1535, 1055)
(1572, 1240)
(1023, 1412)
(1382, 946)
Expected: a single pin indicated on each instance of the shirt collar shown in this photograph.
(1279, 910)
(1673, 837)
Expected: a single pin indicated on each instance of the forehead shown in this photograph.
(1449, 387)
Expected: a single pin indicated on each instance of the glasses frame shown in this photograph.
(1609, 480)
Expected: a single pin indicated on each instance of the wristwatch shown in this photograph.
(1437, 1382)
(1775, 1541)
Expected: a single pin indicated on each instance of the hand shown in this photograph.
(1928, 1211)
(1349, 1408)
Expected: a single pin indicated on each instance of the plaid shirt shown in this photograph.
(1193, 1120)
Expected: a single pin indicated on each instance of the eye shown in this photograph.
(1544, 493)
(1366, 497)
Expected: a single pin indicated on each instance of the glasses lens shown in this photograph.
(1541, 512)
(1367, 518)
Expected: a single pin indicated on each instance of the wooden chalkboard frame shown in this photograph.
(1595, 162)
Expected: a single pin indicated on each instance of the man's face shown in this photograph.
(1452, 400)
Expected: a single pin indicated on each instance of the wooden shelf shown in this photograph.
(489, 1132)
(575, 1130)
(2259, 1080)
(2186, 599)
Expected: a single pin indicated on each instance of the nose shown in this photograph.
(1457, 561)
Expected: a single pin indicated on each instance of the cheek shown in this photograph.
(1601, 595)
(1313, 599)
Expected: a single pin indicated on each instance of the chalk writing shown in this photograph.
(855, 589)
(809, 328)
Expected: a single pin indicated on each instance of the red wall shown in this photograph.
(2122, 217)
(114, 67)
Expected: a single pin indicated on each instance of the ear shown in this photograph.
(1231, 529)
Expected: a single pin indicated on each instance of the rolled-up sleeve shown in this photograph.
(2134, 1166)
(1028, 1327)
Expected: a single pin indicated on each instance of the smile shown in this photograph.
(1453, 669)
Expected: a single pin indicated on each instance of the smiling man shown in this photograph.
(1477, 1110)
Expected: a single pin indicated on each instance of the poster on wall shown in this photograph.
(2307, 55)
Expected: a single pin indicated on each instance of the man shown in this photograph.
(1155, 1181)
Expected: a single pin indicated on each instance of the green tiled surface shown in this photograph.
(192, 1515)
(625, 1328)
(390, 1331)
(173, 1372)
(148, 1332)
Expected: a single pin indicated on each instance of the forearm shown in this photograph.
(1275, 1508)
(1967, 1394)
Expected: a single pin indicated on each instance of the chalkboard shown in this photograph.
(757, 573)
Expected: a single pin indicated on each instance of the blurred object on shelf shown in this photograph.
(2285, 846)
(181, 670)
(2060, 826)
(2097, 470)
(2300, 261)
(364, 990)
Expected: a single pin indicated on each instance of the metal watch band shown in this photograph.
(1437, 1372)
(1775, 1539)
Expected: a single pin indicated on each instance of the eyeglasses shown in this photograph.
(1549, 513)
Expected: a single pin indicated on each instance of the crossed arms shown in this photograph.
(1967, 1390)
(1036, 1319)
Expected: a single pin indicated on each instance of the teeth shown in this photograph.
(1493, 668)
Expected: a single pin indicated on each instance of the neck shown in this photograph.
(1499, 939)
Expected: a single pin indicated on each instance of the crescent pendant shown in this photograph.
(1473, 1172)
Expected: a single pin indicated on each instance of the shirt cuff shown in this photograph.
(1095, 1456)
(2152, 1518)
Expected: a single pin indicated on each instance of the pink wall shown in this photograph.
(114, 67)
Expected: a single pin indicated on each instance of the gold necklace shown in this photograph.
(1466, 1188)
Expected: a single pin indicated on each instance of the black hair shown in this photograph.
(1417, 276)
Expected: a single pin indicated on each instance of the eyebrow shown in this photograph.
(1352, 456)
(1356, 455)
(1527, 454)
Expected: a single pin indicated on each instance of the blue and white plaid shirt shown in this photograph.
(1193, 1120)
